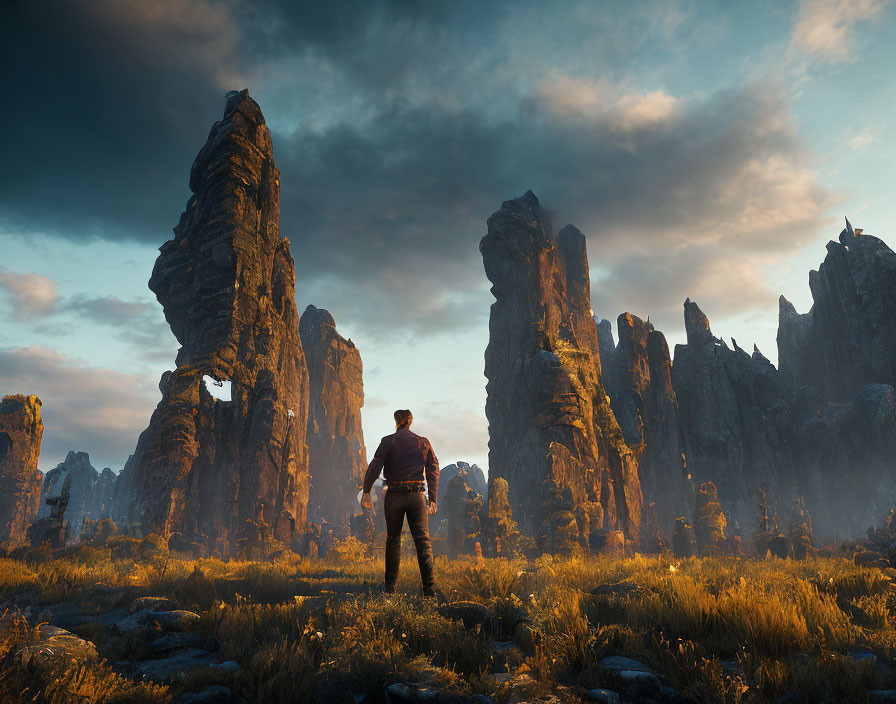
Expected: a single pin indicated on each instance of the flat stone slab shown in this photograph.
(621, 663)
(170, 668)
(216, 694)
(151, 603)
(172, 641)
(602, 696)
(166, 620)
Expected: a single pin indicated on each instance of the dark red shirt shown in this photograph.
(404, 457)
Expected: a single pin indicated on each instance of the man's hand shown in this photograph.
(367, 501)
(433, 508)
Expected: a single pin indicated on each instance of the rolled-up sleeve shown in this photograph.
(375, 466)
(432, 473)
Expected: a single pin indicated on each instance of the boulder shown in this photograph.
(55, 651)
(216, 694)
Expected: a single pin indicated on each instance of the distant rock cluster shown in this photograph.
(820, 430)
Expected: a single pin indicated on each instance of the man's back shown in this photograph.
(405, 456)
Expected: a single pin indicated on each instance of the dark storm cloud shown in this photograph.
(84, 408)
(385, 192)
(110, 102)
(394, 212)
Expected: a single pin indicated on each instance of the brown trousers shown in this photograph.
(396, 506)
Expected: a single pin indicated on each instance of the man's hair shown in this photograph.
(403, 417)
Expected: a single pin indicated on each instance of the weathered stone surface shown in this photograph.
(90, 491)
(462, 508)
(21, 431)
(55, 651)
(709, 521)
(683, 542)
(637, 374)
(337, 457)
(859, 436)
(552, 431)
(473, 476)
(227, 285)
(848, 339)
(53, 530)
(171, 668)
(502, 538)
(738, 417)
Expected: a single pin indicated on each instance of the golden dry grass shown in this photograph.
(719, 630)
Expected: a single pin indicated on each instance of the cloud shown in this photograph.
(691, 180)
(120, 97)
(599, 100)
(862, 139)
(139, 324)
(422, 131)
(28, 295)
(96, 410)
(823, 28)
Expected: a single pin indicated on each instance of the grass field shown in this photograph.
(717, 630)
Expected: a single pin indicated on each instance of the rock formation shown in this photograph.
(227, 285)
(21, 430)
(738, 418)
(462, 509)
(337, 458)
(848, 339)
(847, 452)
(709, 521)
(683, 542)
(53, 530)
(637, 374)
(472, 475)
(90, 491)
(553, 435)
(502, 539)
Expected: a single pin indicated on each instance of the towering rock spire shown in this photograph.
(337, 457)
(696, 324)
(226, 281)
(21, 430)
(553, 436)
(637, 374)
(848, 338)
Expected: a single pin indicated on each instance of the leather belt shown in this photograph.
(405, 487)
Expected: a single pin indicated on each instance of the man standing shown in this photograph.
(405, 459)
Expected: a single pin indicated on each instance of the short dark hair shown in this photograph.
(403, 417)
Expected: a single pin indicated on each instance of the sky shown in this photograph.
(706, 149)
